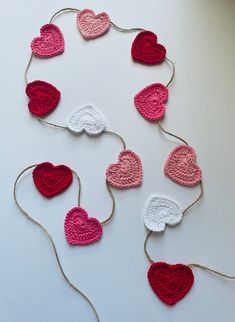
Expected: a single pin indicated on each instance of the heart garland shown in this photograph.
(91, 25)
(170, 282)
(43, 97)
(51, 180)
(127, 172)
(80, 229)
(50, 43)
(88, 119)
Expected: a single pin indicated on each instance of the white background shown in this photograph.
(199, 37)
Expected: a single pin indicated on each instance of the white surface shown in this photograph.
(199, 37)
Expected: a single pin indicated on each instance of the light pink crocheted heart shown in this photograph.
(150, 101)
(127, 172)
(50, 43)
(91, 25)
(181, 166)
(80, 229)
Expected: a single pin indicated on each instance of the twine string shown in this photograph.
(27, 215)
(205, 268)
(106, 221)
(173, 71)
(197, 200)
(171, 134)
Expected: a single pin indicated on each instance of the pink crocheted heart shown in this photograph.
(127, 173)
(50, 43)
(91, 25)
(181, 166)
(150, 101)
(80, 229)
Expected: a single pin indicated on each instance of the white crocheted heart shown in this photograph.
(159, 212)
(88, 119)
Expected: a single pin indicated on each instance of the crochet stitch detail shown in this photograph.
(91, 25)
(80, 229)
(150, 101)
(181, 166)
(88, 119)
(50, 42)
(161, 211)
(145, 49)
(43, 96)
(170, 282)
(51, 180)
(127, 172)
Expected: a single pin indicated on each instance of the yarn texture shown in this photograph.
(161, 211)
(146, 50)
(51, 180)
(88, 119)
(127, 172)
(91, 25)
(170, 282)
(80, 229)
(43, 96)
(181, 166)
(150, 101)
(50, 42)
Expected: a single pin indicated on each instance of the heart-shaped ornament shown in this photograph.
(91, 25)
(127, 172)
(80, 229)
(161, 211)
(181, 166)
(170, 282)
(51, 180)
(150, 101)
(43, 96)
(145, 49)
(88, 119)
(50, 43)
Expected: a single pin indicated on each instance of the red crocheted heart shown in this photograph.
(127, 173)
(150, 101)
(80, 229)
(181, 167)
(145, 48)
(170, 282)
(43, 96)
(50, 43)
(51, 180)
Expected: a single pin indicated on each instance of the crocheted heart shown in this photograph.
(88, 119)
(181, 166)
(160, 211)
(145, 49)
(80, 229)
(91, 25)
(127, 173)
(170, 282)
(43, 96)
(51, 180)
(150, 101)
(50, 43)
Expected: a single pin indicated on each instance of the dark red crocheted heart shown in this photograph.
(51, 180)
(145, 49)
(170, 282)
(43, 96)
